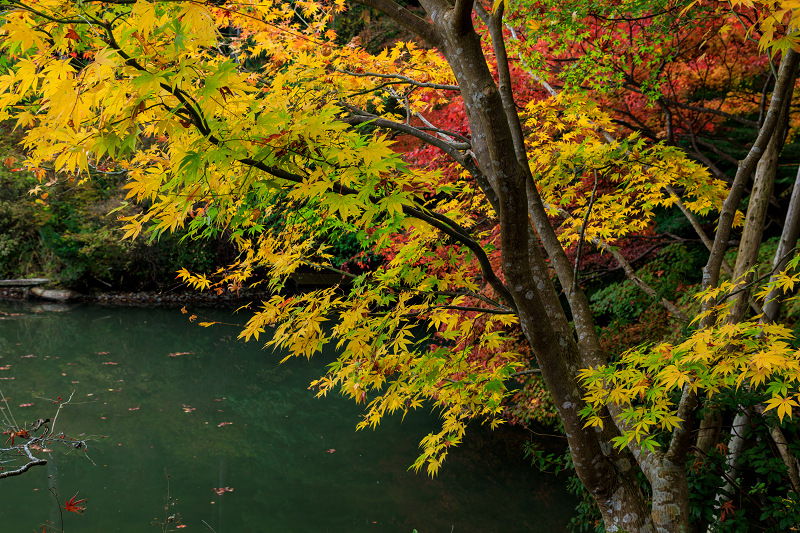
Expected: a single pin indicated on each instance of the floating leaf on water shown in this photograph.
(176, 354)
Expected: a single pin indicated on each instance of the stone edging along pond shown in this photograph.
(130, 298)
(19, 290)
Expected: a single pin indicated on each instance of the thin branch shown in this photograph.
(463, 308)
(450, 148)
(713, 147)
(762, 107)
(471, 294)
(582, 235)
(667, 120)
(404, 79)
(647, 289)
(405, 18)
(713, 111)
(525, 372)
(696, 225)
(331, 269)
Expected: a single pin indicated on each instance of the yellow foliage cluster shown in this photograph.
(755, 355)
(567, 146)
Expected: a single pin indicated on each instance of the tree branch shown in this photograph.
(404, 79)
(681, 441)
(583, 232)
(462, 16)
(783, 88)
(405, 18)
(32, 461)
(630, 273)
(450, 148)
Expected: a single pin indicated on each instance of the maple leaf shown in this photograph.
(72, 34)
(74, 506)
(728, 509)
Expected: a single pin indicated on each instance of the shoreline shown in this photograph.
(299, 282)
(140, 298)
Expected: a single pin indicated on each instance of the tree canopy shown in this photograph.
(570, 125)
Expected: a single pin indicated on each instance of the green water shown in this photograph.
(214, 412)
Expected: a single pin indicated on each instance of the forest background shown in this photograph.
(652, 142)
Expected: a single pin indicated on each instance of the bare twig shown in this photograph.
(583, 231)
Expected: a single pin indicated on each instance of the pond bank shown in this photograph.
(300, 282)
(142, 298)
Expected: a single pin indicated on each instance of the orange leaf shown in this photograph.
(72, 34)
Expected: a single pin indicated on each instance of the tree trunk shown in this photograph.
(613, 486)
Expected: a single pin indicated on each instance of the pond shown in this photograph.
(246, 445)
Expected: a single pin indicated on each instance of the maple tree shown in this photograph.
(279, 137)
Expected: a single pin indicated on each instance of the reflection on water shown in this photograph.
(246, 445)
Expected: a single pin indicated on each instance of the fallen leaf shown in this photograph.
(74, 506)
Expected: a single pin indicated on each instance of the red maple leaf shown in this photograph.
(728, 509)
(72, 34)
(74, 506)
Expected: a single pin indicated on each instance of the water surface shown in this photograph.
(216, 413)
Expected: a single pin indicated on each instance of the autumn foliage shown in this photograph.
(530, 134)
